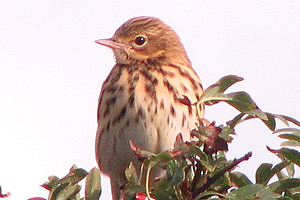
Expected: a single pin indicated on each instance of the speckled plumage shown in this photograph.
(139, 98)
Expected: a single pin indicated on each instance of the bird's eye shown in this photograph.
(140, 40)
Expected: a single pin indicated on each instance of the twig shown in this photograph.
(220, 173)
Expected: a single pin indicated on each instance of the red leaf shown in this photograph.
(46, 187)
(213, 142)
(142, 154)
(179, 140)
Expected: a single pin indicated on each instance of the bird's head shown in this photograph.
(143, 40)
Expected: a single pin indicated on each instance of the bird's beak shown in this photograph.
(110, 43)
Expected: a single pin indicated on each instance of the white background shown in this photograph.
(51, 73)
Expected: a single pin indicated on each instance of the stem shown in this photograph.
(220, 173)
(147, 181)
(141, 173)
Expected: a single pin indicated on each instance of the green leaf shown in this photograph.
(221, 183)
(225, 82)
(239, 179)
(240, 100)
(78, 175)
(290, 137)
(57, 190)
(283, 118)
(236, 120)
(250, 192)
(178, 177)
(210, 193)
(293, 131)
(286, 119)
(271, 123)
(257, 113)
(131, 174)
(162, 157)
(284, 198)
(281, 175)
(52, 183)
(74, 176)
(163, 190)
(172, 166)
(267, 194)
(290, 170)
(263, 173)
(277, 168)
(69, 192)
(290, 154)
(284, 184)
(215, 93)
(291, 134)
(197, 151)
(93, 185)
(290, 143)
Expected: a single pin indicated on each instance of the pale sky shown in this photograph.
(51, 72)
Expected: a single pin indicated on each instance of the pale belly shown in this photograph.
(148, 114)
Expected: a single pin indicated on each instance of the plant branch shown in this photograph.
(220, 173)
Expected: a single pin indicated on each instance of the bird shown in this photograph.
(140, 98)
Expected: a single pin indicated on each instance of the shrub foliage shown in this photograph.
(199, 169)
